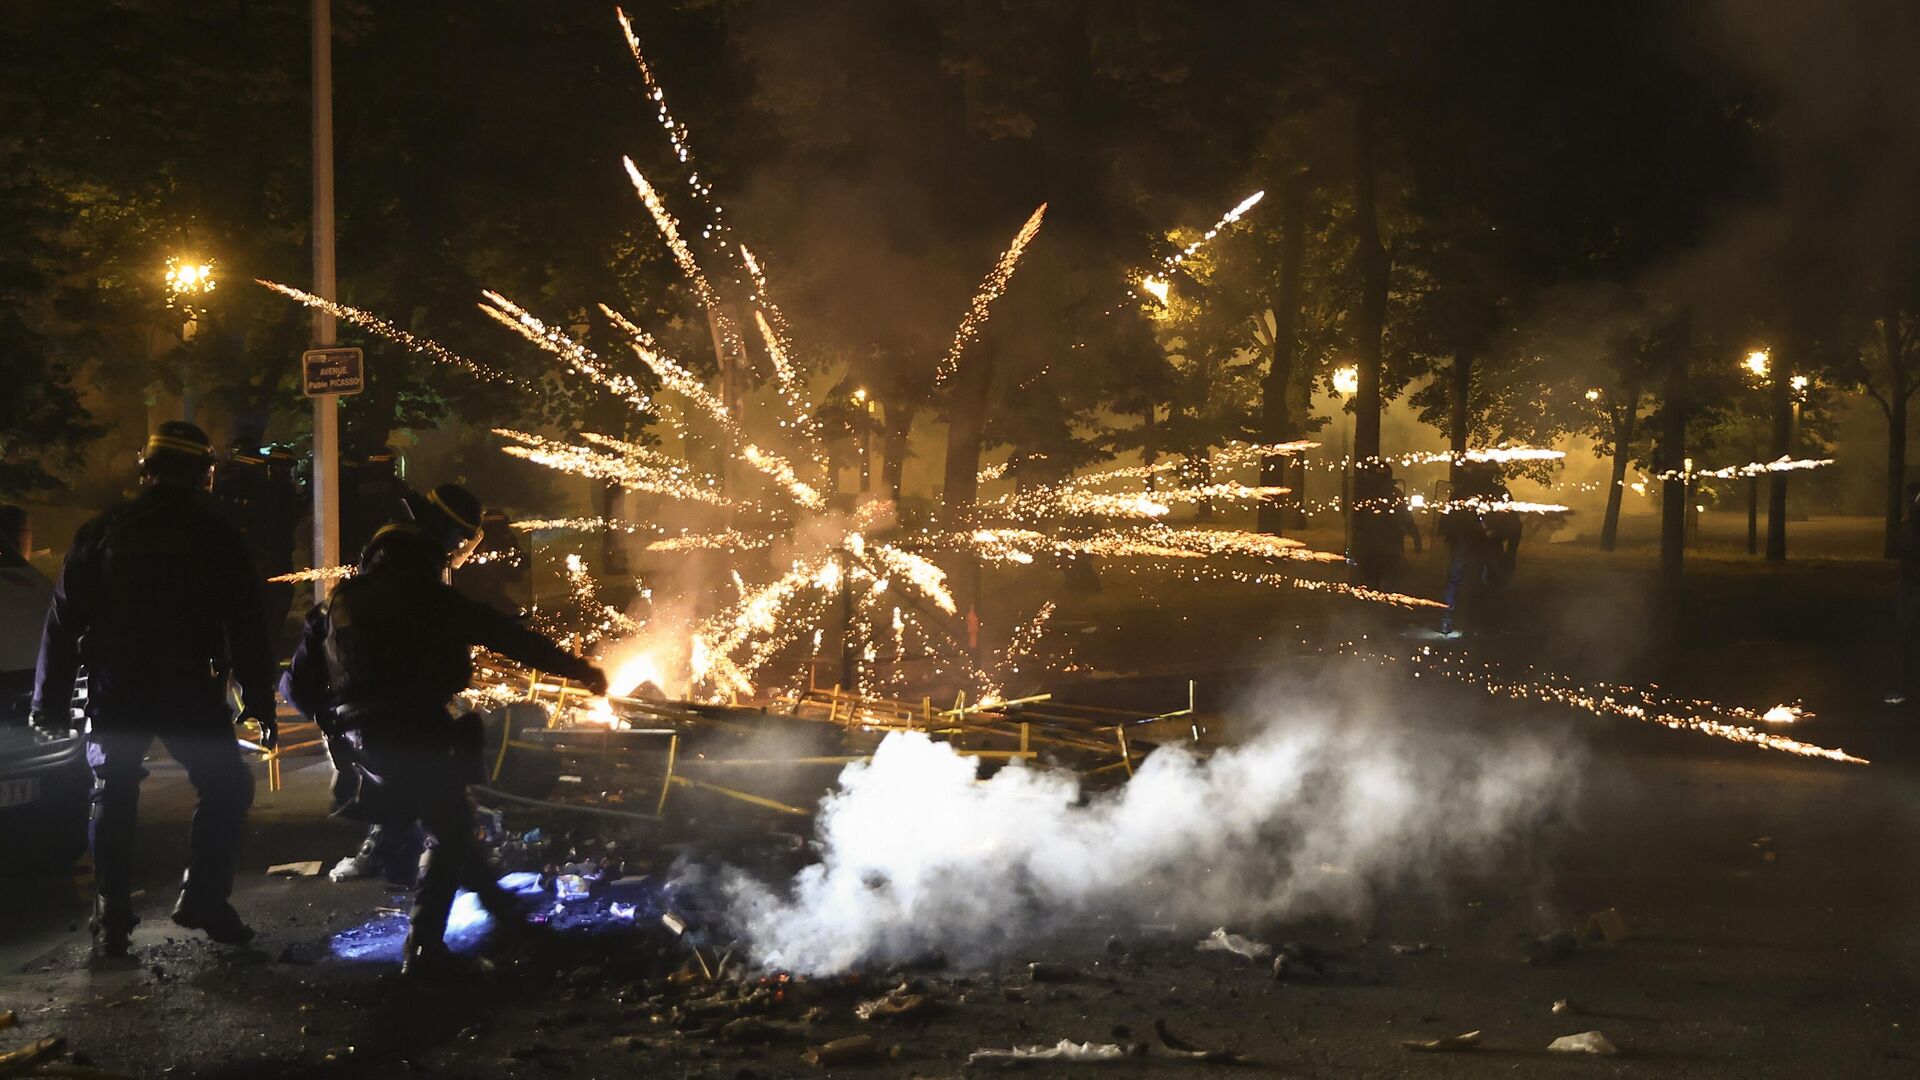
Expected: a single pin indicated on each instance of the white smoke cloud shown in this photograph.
(1311, 816)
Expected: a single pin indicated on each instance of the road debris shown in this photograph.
(7, 1019)
(1041, 971)
(897, 1002)
(1552, 948)
(1179, 1047)
(1464, 1041)
(310, 868)
(1565, 1007)
(1607, 925)
(853, 1048)
(1221, 941)
(1416, 949)
(1296, 958)
(1587, 1042)
(1064, 1050)
(21, 1058)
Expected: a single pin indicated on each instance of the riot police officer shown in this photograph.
(381, 659)
(371, 495)
(160, 601)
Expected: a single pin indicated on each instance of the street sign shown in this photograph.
(333, 372)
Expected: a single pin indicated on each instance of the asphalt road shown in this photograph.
(1771, 904)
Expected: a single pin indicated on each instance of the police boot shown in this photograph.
(112, 926)
(371, 860)
(427, 958)
(216, 918)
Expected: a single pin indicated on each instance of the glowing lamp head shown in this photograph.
(860, 395)
(1593, 393)
(1346, 380)
(1758, 363)
(1156, 287)
(1799, 384)
(189, 276)
(1417, 501)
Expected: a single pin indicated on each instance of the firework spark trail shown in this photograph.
(924, 576)
(586, 596)
(670, 232)
(781, 470)
(1491, 506)
(671, 479)
(1287, 581)
(378, 326)
(787, 379)
(323, 573)
(990, 290)
(581, 524)
(1157, 286)
(1781, 464)
(1026, 638)
(1623, 701)
(727, 540)
(716, 230)
(577, 356)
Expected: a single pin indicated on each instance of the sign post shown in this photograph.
(326, 413)
(333, 372)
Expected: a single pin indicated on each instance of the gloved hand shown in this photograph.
(269, 727)
(594, 680)
(50, 726)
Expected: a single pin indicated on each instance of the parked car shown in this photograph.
(45, 785)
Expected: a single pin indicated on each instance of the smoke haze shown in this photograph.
(1316, 813)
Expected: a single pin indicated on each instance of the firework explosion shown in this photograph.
(854, 575)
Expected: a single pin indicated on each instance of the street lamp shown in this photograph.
(1593, 393)
(1759, 364)
(189, 280)
(866, 437)
(1346, 381)
(1759, 361)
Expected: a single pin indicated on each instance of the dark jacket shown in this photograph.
(160, 600)
(396, 634)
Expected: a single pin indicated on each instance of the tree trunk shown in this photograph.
(1672, 457)
(1782, 394)
(1374, 272)
(894, 462)
(966, 424)
(1896, 410)
(1625, 419)
(613, 556)
(1459, 414)
(1150, 440)
(1277, 423)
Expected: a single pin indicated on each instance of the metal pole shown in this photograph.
(326, 414)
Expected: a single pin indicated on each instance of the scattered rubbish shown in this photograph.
(1180, 1047)
(1015, 994)
(673, 922)
(1221, 941)
(845, 1051)
(7, 1019)
(1607, 925)
(1295, 959)
(1565, 1007)
(1064, 1050)
(1464, 1041)
(1552, 948)
(1587, 1042)
(1415, 949)
(22, 1057)
(1041, 971)
(311, 868)
(898, 1002)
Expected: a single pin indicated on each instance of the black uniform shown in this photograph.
(161, 602)
(378, 663)
(371, 495)
(499, 575)
(263, 504)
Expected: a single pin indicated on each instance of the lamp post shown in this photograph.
(189, 280)
(1346, 382)
(1758, 363)
(326, 407)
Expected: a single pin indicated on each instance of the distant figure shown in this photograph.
(500, 574)
(1907, 609)
(371, 495)
(1381, 524)
(161, 601)
(1470, 547)
(16, 536)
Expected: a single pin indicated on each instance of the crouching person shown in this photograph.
(382, 659)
